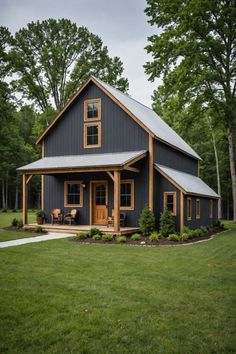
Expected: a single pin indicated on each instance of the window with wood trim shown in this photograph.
(198, 209)
(73, 194)
(127, 194)
(189, 208)
(92, 110)
(210, 208)
(170, 202)
(92, 135)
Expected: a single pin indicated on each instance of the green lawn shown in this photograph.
(6, 219)
(62, 297)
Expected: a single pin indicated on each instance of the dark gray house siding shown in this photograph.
(119, 131)
(204, 219)
(170, 157)
(161, 185)
(54, 193)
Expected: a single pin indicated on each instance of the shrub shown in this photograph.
(186, 229)
(173, 237)
(121, 239)
(39, 229)
(135, 237)
(204, 229)
(96, 237)
(94, 231)
(167, 224)
(219, 225)
(146, 221)
(184, 236)
(14, 222)
(107, 237)
(81, 236)
(155, 236)
(197, 232)
(41, 214)
(20, 224)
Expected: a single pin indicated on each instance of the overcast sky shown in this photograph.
(121, 24)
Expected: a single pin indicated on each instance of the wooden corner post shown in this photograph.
(151, 172)
(42, 181)
(24, 198)
(117, 201)
(181, 211)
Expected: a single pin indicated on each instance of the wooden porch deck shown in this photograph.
(83, 228)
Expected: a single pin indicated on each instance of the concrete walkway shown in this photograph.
(23, 241)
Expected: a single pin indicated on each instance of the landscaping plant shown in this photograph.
(146, 221)
(121, 239)
(96, 237)
(173, 237)
(94, 231)
(107, 237)
(81, 236)
(135, 237)
(155, 236)
(167, 224)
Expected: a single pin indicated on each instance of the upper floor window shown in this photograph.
(170, 202)
(210, 208)
(198, 209)
(127, 194)
(73, 194)
(92, 109)
(189, 208)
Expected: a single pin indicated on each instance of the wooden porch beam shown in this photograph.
(110, 175)
(28, 179)
(117, 201)
(24, 199)
(133, 169)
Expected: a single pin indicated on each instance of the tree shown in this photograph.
(195, 54)
(53, 57)
(146, 221)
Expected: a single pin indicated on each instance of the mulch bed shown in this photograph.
(144, 241)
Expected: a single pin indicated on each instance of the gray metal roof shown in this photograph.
(189, 183)
(150, 119)
(83, 161)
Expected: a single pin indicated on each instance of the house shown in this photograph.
(105, 151)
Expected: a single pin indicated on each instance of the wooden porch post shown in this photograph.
(151, 172)
(181, 211)
(117, 201)
(24, 199)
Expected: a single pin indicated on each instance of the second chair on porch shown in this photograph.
(71, 217)
(57, 216)
(110, 221)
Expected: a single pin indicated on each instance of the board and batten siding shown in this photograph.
(170, 157)
(119, 131)
(204, 219)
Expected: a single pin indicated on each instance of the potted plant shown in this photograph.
(40, 216)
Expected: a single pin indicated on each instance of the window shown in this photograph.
(73, 194)
(198, 209)
(127, 194)
(170, 202)
(189, 208)
(92, 135)
(92, 109)
(210, 208)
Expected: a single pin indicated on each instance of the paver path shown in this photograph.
(23, 241)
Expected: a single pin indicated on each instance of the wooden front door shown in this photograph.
(100, 203)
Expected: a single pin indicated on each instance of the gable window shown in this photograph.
(170, 202)
(189, 208)
(92, 135)
(210, 208)
(127, 194)
(92, 109)
(198, 209)
(73, 194)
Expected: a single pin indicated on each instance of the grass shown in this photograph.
(6, 219)
(63, 297)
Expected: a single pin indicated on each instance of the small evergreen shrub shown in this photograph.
(96, 237)
(20, 224)
(14, 222)
(167, 224)
(155, 236)
(135, 237)
(173, 237)
(197, 232)
(39, 229)
(146, 221)
(107, 237)
(81, 236)
(219, 225)
(204, 229)
(186, 229)
(94, 231)
(121, 239)
(184, 236)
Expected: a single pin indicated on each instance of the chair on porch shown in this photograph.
(57, 216)
(110, 221)
(72, 216)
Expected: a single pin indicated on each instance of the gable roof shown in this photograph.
(189, 184)
(145, 117)
(115, 159)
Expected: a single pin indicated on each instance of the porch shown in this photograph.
(84, 228)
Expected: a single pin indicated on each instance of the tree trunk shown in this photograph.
(16, 198)
(232, 165)
(3, 195)
(217, 172)
(6, 197)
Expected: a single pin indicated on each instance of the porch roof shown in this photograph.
(186, 182)
(106, 161)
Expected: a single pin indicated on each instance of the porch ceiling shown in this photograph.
(83, 163)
